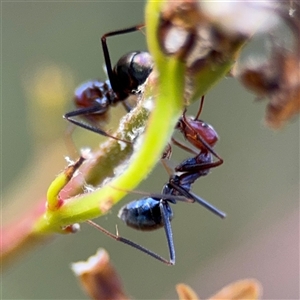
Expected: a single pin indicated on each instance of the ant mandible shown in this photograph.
(150, 213)
(94, 98)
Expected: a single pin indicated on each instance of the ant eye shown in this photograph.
(205, 125)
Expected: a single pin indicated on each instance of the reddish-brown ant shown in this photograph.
(94, 98)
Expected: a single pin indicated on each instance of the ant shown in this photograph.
(94, 97)
(153, 212)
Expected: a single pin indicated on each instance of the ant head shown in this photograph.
(206, 132)
(131, 71)
(92, 92)
(200, 134)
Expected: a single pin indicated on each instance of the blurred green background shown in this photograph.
(48, 48)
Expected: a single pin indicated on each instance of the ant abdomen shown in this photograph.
(131, 71)
(144, 214)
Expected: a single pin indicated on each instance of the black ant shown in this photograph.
(150, 213)
(153, 212)
(94, 98)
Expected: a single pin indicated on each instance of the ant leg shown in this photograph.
(210, 149)
(183, 146)
(195, 168)
(157, 195)
(129, 242)
(168, 230)
(167, 152)
(208, 206)
(165, 159)
(198, 136)
(71, 148)
(127, 107)
(206, 145)
(70, 116)
(198, 199)
(106, 52)
(200, 108)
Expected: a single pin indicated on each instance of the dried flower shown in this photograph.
(99, 278)
(277, 78)
(242, 289)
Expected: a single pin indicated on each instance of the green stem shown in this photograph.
(168, 107)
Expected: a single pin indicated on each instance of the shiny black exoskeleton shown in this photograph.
(145, 214)
(94, 98)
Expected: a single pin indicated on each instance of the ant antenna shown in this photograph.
(200, 108)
